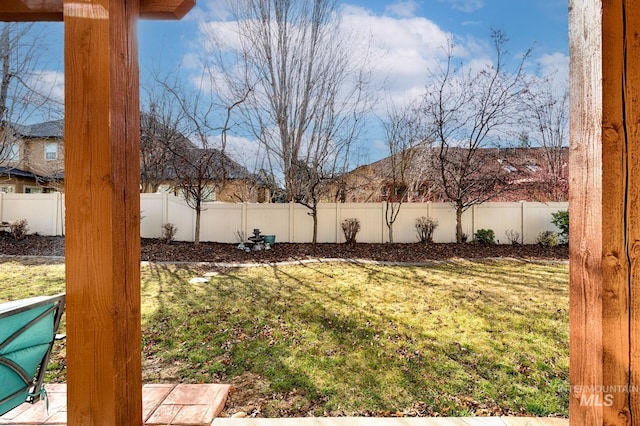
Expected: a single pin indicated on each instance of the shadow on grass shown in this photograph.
(452, 338)
(364, 339)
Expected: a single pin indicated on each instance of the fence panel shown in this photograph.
(404, 229)
(182, 216)
(292, 223)
(445, 214)
(273, 220)
(302, 226)
(370, 217)
(152, 215)
(499, 217)
(220, 222)
(537, 218)
(43, 212)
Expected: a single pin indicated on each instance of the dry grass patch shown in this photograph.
(452, 338)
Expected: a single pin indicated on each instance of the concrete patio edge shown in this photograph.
(403, 421)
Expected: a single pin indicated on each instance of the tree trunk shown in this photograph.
(196, 239)
(390, 226)
(314, 214)
(459, 223)
(5, 77)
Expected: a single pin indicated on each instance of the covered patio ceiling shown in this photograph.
(52, 10)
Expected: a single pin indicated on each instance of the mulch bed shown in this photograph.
(158, 251)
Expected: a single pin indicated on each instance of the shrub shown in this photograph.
(350, 228)
(424, 228)
(548, 239)
(240, 237)
(513, 237)
(485, 236)
(169, 231)
(19, 229)
(561, 220)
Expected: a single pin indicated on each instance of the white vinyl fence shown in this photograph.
(292, 223)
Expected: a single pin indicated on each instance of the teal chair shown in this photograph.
(27, 332)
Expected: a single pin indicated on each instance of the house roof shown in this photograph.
(48, 129)
(13, 172)
(55, 129)
(216, 161)
(525, 170)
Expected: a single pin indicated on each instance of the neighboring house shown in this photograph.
(170, 162)
(526, 173)
(229, 181)
(32, 161)
(32, 158)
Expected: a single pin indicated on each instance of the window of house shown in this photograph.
(10, 152)
(32, 190)
(51, 151)
(7, 189)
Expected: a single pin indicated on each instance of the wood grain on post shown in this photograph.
(585, 207)
(102, 178)
(102, 170)
(604, 206)
(629, 299)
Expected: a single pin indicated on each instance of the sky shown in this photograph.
(412, 24)
(406, 38)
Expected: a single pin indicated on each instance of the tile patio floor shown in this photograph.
(162, 404)
(198, 405)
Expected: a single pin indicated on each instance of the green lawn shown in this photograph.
(454, 338)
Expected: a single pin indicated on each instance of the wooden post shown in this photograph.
(605, 212)
(102, 173)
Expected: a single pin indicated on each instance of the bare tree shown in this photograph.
(548, 115)
(309, 99)
(196, 123)
(22, 92)
(160, 132)
(403, 134)
(198, 173)
(468, 111)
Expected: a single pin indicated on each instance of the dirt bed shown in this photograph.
(158, 251)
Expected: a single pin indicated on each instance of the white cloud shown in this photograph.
(465, 5)
(224, 33)
(246, 152)
(555, 63)
(211, 9)
(49, 84)
(555, 66)
(403, 50)
(190, 61)
(403, 9)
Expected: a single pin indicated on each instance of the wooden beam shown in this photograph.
(605, 212)
(31, 10)
(165, 9)
(51, 10)
(103, 213)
